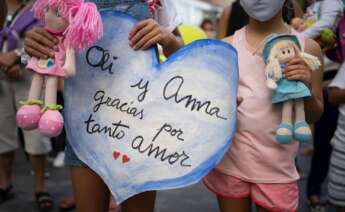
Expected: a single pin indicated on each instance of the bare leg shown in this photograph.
(90, 192)
(234, 205)
(51, 90)
(6, 162)
(36, 86)
(144, 202)
(39, 163)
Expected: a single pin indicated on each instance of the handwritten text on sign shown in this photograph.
(144, 126)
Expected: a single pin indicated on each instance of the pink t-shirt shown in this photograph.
(255, 155)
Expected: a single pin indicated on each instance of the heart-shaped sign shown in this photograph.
(141, 125)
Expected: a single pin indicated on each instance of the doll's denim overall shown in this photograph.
(136, 8)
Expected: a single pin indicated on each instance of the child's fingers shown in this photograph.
(36, 47)
(144, 40)
(294, 67)
(299, 77)
(39, 48)
(294, 72)
(295, 61)
(137, 27)
(151, 42)
(34, 52)
(140, 34)
(41, 36)
(47, 35)
(49, 39)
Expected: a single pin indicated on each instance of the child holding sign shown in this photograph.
(257, 168)
(159, 25)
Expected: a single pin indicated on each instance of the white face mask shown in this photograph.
(262, 10)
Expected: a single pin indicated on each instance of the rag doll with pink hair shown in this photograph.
(77, 25)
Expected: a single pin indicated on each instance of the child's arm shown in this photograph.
(336, 91)
(149, 32)
(314, 106)
(223, 22)
(336, 96)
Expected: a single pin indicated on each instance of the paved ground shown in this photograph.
(195, 198)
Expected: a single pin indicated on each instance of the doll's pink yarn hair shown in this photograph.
(85, 23)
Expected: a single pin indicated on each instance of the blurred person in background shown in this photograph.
(324, 15)
(209, 28)
(14, 87)
(336, 186)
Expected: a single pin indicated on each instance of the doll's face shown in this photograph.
(53, 20)
(285, 54)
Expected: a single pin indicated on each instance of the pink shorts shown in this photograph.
(272, 197)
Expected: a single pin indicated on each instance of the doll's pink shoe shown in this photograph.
(29, 114)
(51, 122)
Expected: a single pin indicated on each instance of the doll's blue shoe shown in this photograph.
(284, 138)
(302, 137)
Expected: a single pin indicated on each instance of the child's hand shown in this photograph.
(147, 33)
(40, 43)
(8, 59)
(14, 73)
(297, 69)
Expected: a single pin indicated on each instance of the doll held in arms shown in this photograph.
(278, 51)
(77, 25)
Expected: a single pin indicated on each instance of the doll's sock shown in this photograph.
(284, 133)
(303, 130)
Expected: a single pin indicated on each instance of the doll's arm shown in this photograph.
(69, 66)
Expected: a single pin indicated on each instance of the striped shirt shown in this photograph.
(336, 185)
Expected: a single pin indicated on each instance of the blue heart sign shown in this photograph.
(142, 125)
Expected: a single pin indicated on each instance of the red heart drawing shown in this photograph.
(125, 159)
(116, 155)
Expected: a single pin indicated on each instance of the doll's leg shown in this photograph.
(285, 130)
(36, 87)
(51, 90)
(29, 114)
(302, 131)
(51, 123)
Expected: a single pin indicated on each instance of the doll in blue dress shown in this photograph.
(278, 51)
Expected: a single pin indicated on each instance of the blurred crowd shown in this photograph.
(319, 20)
